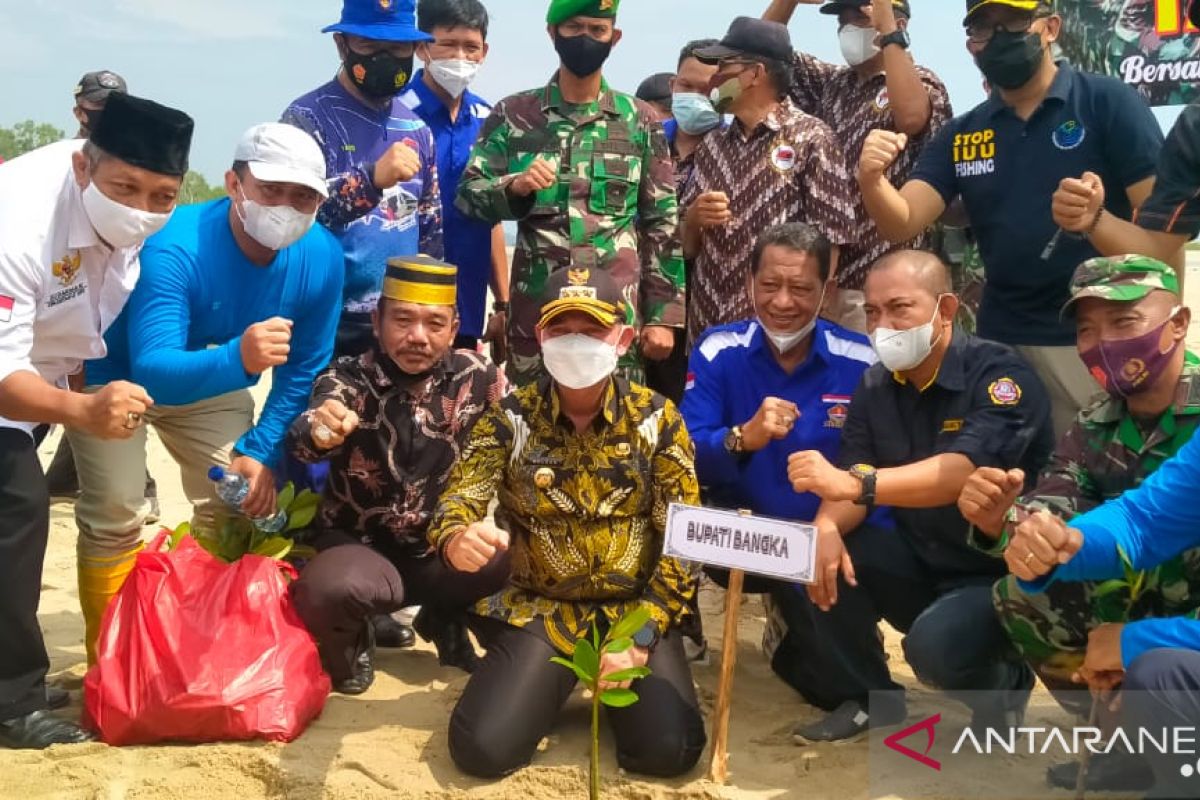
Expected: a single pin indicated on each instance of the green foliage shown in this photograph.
(25, 136)
(196, 189)
(585, 663)
(237, 536)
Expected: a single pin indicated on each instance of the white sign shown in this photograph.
(758, 545)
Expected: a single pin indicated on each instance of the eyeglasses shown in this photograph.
(982, 32)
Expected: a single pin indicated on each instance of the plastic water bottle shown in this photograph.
(233, 488)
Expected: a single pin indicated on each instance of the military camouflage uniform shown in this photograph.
(1105, 453)
(616, 189)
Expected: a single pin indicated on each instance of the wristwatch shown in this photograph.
(734, 443)
(500, 307)
(896, 37)
(867, 475)
(647, 636)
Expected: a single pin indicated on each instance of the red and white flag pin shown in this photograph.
(6, 307)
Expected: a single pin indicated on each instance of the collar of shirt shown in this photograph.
(80, 233)
(773, 122)
(428, 98)
(1060, 90)
(949, 375)
(552, 99)
(610, 407)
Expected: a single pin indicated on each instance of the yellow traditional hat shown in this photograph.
(421, 280)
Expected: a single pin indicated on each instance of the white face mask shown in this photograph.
(118, 224)
(454, 74)
(274, 227)
(784, 342)
(900, 351)
(858, 44)
(577, 361)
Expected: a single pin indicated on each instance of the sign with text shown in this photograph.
(757, 545)
(1149, 44)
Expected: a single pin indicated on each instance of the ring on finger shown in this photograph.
(132, 420)
(1028, 558)
(322, 433)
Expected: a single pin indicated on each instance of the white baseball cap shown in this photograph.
(279, 153)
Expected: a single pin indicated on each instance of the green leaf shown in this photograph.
(587, 659)
(306, 499)
(1107, 588)
(631, 674)
(276, 547)
(615, 646)
(285, 498)
(302, 552)
(630, 624)
(618, 698)
(182, 531)
(1125, 559)
(301, 518)
(571, 666)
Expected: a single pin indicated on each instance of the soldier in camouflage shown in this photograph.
(587, 173)
(1131, 329)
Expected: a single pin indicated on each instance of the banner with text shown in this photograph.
(1149, 44)
(758, 545)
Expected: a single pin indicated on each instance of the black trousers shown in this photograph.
(515, 695)
(1162, 691)
(348, 583)
(953, 640)
(24, 531)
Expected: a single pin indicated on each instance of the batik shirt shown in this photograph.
(586, 511)
(788, 169)
(372, 225)
(615, 193)
(853, 107)
(384, 481)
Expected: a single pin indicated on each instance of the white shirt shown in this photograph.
(60, 286)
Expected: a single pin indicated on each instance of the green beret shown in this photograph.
(562, 10)
(1125, 279)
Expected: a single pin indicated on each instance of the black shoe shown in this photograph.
(151, 495)
(362, 671)
(1107, 772)
(391, 633)
(39, 730)
(849, 723)
(57, 698)
(451, 639)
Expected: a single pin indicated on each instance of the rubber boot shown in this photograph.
(99, 581)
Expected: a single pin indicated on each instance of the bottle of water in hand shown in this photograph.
(233, 488)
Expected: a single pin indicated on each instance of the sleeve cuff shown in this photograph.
(979, 541)
(1138, 638)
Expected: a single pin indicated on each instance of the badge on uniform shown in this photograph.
(1005, 392)
(6, 308)
(623, 449)
(67, 269)
(952, 426)
(837, 411)
(1069, 135)
(783, 158)
(543, 478)
(881, 100)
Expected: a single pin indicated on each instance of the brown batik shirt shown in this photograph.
(385, 479)
(788, 169)
(853, 107)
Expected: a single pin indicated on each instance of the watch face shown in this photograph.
(862, 470)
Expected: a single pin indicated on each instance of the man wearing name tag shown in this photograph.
(938, 405)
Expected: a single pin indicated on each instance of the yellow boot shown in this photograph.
(99, 581)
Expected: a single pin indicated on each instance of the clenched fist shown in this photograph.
(331, 423)
(398, 164)
(266, 344)
(1077, 203)
(709, 210)
(809, 471)
(773, 421)
(470, 550)
(879, 152)
(115, 412)
(542, 174)
(987, 496)
(1040, 544)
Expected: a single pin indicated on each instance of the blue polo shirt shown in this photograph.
(1007, 169)
(732, 370)
(468, 241)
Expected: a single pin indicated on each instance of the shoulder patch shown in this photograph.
(1005, 392)
(716, 343)
(848, 348)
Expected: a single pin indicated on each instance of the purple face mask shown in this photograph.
(1126, 367)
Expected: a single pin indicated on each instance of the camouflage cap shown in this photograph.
(1124, 279)
(562, 10)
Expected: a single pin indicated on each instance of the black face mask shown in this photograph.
(1010, 60)
(381, 75)
(93, 119)
(581, 55)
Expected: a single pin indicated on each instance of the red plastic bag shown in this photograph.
(196, 650)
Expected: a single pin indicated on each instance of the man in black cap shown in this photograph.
(881, 87)
(774, 164)
(1045, 121)
(73, 217)
(656, 90)
(91, 95)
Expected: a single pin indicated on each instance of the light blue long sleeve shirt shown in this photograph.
(1152, 523)
(180, 335)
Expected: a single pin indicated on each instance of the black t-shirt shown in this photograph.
(985, 403)
(1174, 206)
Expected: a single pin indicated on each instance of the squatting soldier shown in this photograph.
(587, 174)
(1131, 327)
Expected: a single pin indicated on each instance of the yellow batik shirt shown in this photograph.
(586, 512)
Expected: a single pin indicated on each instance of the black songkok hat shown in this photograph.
(145, 134)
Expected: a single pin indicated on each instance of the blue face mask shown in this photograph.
(694, 113)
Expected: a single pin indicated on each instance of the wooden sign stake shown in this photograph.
(719, 768)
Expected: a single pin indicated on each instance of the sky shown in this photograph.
(234, 63)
